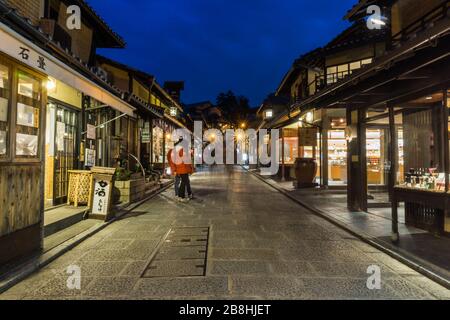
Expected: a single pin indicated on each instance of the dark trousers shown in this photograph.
(185, 184)
(177, 185)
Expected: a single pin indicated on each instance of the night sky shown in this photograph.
(216, 45)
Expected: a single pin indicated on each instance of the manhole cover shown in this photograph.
(181, 253)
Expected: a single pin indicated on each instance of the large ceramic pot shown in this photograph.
(305, 170)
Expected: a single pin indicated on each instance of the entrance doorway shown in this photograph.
(62, 137)
(378, 165)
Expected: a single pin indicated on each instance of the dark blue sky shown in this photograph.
(215, 45)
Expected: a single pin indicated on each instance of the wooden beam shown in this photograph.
(422, 59)
(393, 150)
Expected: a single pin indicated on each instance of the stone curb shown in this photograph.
(409, 260)
(28, 268)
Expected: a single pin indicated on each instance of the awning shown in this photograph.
(21, 49)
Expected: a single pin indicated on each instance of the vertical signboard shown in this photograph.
(101, 192)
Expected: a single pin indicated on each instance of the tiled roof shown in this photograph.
(355, 35)
(120, 41)
(43, 40)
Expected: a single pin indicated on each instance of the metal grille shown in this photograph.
(424, 217)
(181, 253)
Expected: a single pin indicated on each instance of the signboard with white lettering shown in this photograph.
(145, 134)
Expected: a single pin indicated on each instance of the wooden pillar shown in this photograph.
(324, 151)
(151, 142)
(446, 150)
(283, 166)
(394, 156)
(164, 153)
(356, 159)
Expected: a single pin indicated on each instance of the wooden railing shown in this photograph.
(441, 12)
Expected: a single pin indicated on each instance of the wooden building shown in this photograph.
(159, 112)
(311, 73)
(392, 111)
(48, 82)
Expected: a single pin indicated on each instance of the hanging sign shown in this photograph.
(145, 134)
(89, 158)
(307, 137)
(101, 192)
(90, 134)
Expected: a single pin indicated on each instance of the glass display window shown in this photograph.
(290, 150)
(28, 113)
(420, 158)
(337, 157)
(376, 149)
(169, 143)
(158, 140)
(5, 93)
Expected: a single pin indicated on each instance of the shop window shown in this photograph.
(366, 61)
(158, 137)
(28, 113)
(331, 75)
(355, 65)
(290, 150)
(337, 157)
(420, 147)
(336, 73)
(343, 71)
(169, 144)
(377, 156)
(4, 110)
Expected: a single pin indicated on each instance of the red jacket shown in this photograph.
(179, 168)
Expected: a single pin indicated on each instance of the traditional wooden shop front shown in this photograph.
(26, 71)
(353, 49)
(404, 93)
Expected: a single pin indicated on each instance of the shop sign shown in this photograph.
(145, 134)
(36, 58)
(307, 137)
(101, 193)
(91, 134)
(89, 158)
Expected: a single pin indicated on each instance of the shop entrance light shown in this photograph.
(51, 84)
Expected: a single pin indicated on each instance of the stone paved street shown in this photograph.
(261, 245)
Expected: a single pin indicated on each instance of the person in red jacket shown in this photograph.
(182, 167)
(173, 169)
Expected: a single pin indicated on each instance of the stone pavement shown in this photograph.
(253, 241)
(417, 245)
